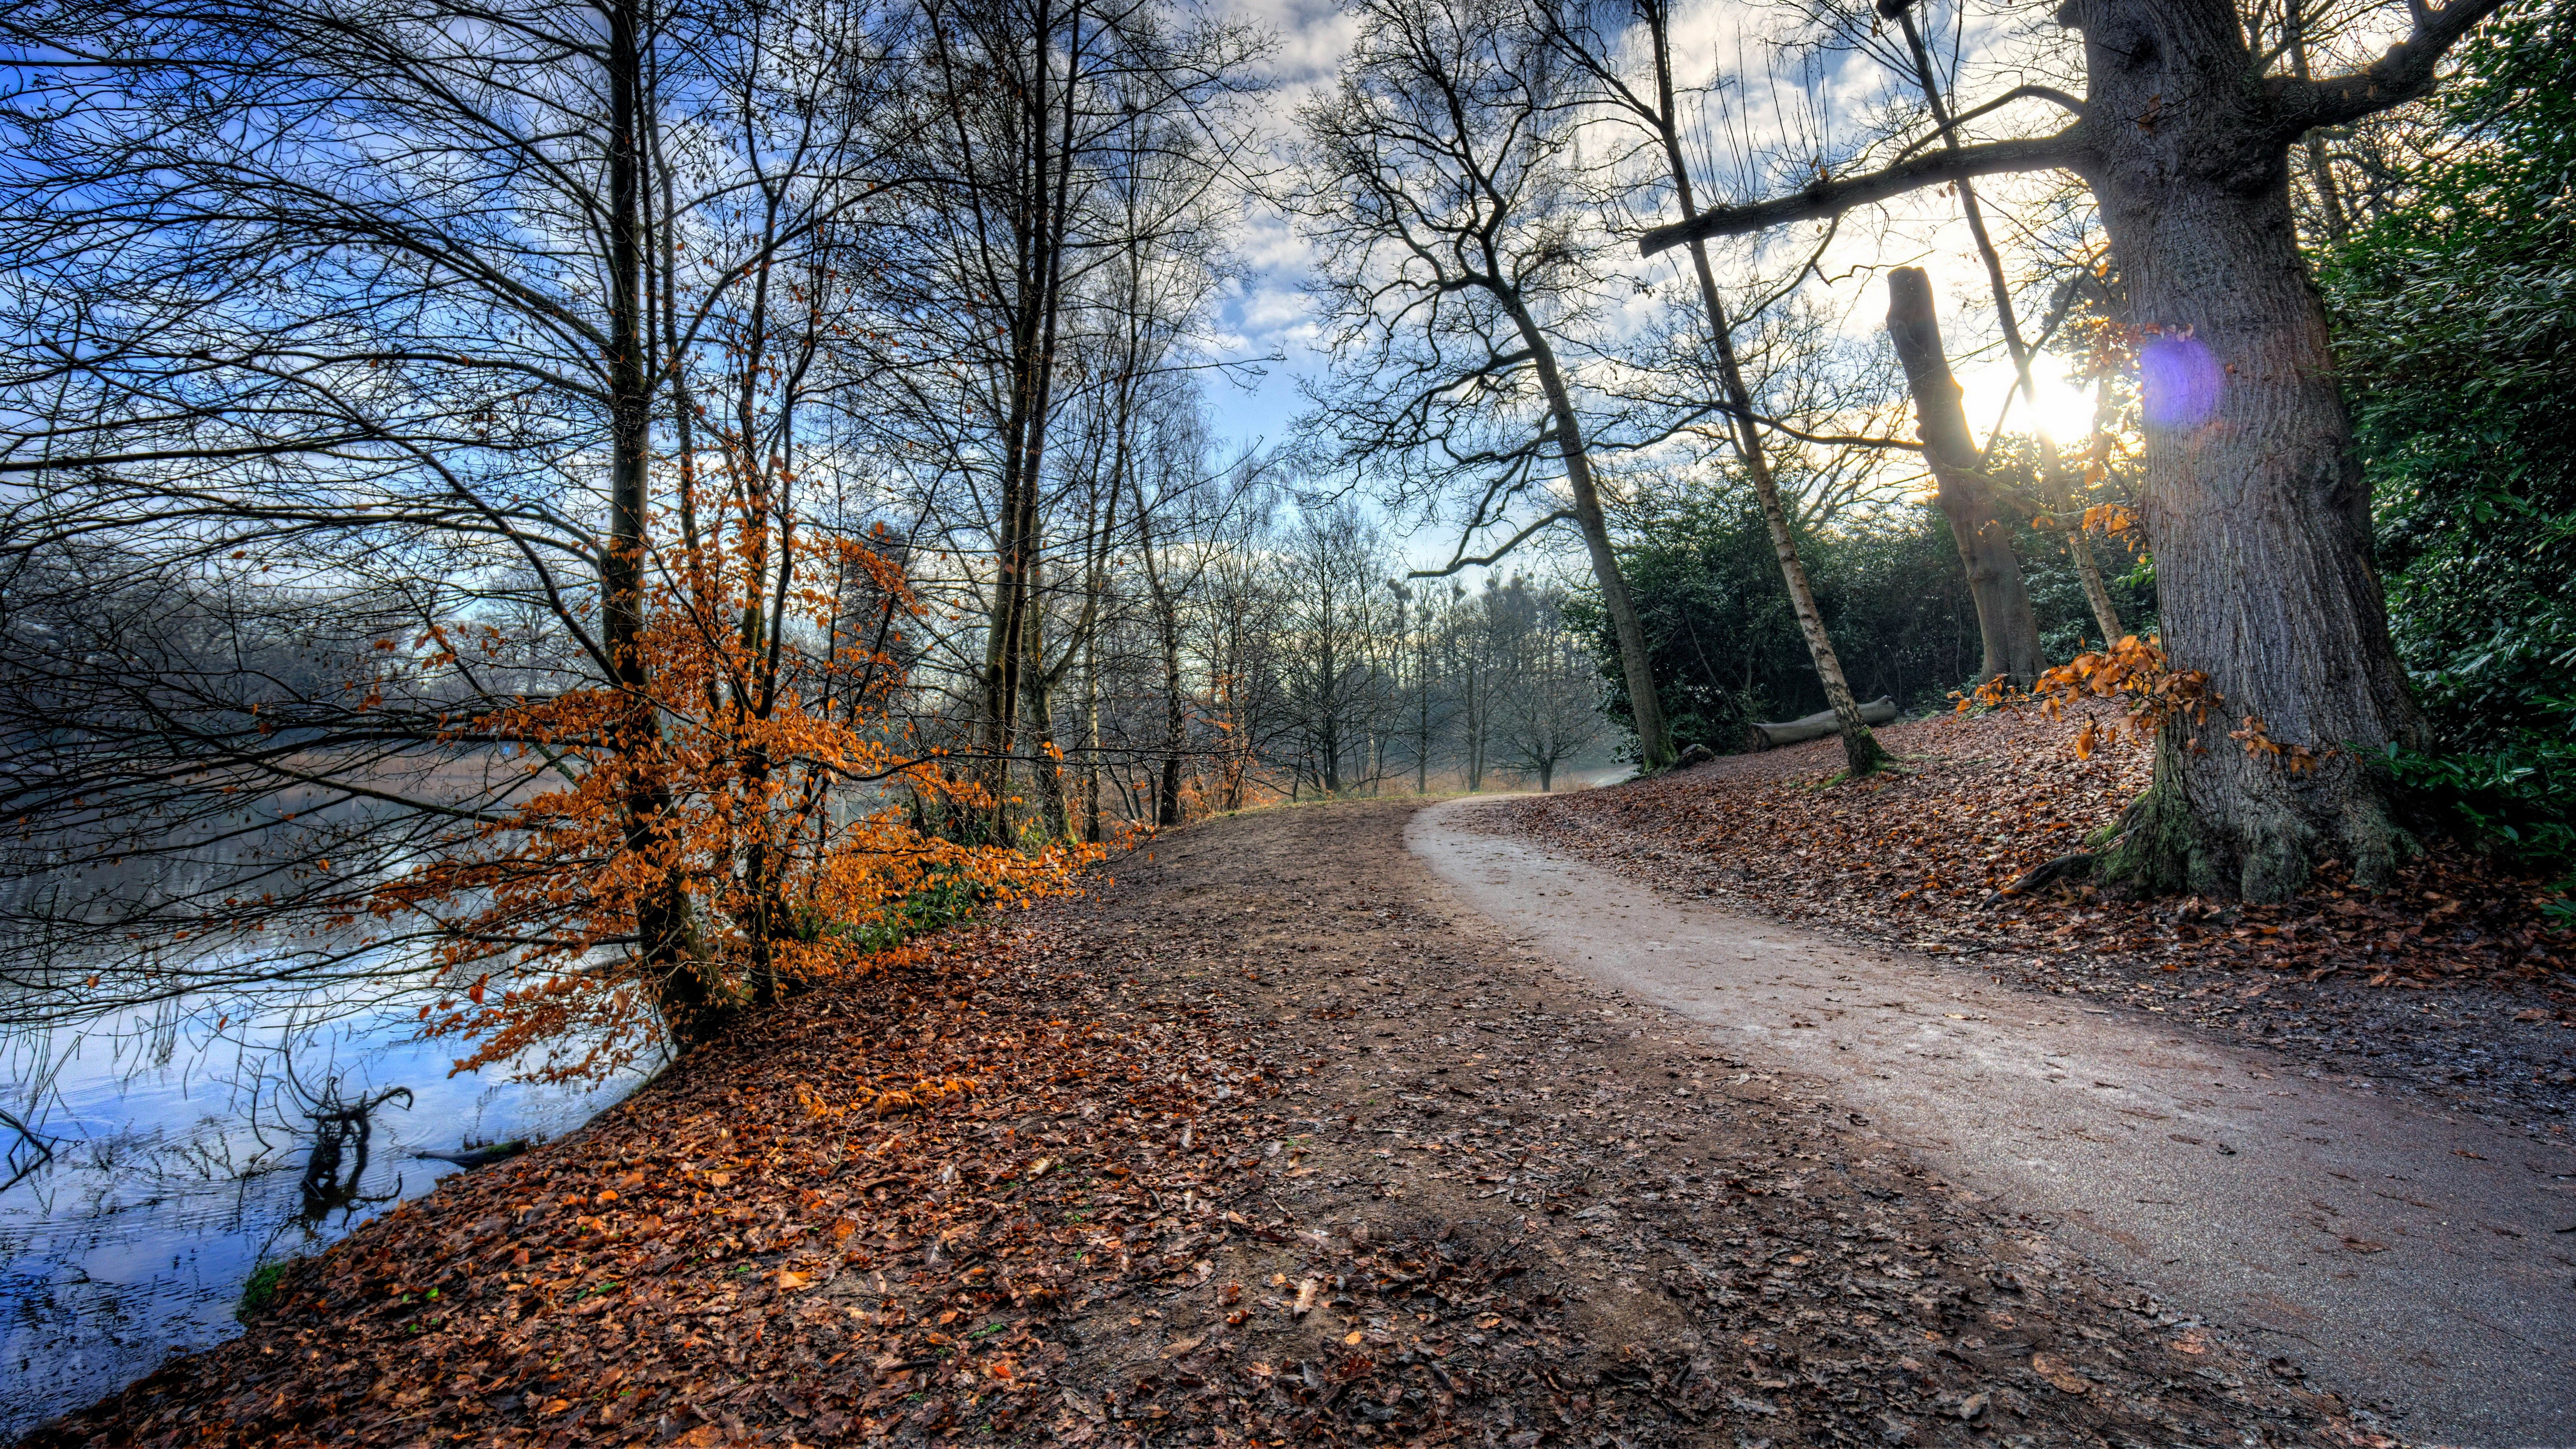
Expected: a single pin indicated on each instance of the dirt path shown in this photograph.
(1674, 1248)
(2403, 1255)
(1270, 1139)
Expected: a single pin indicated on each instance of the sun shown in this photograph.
(2061, 413)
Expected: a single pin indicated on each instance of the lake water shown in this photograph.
(185, 1156)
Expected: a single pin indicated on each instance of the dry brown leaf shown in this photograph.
(2060, 1377)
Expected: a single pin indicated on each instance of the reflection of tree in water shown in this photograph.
(28, 1150)
(336, 1169)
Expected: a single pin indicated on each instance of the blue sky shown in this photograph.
(1270, 314)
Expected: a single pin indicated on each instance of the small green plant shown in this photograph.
(2516, 802)
(261, 1290)
(946, 900)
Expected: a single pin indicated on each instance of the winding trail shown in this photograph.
(2402, 1256)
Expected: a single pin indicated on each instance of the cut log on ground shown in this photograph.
(1879, 711)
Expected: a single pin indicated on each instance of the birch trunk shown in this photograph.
(1861, 751)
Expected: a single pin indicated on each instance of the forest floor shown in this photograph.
(1269, 1139)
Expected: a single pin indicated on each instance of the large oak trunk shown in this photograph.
(2254, 504)
(2006, 623)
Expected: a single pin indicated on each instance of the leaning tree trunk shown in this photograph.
(2253, 501)
(2006, 623)
(2051, 467)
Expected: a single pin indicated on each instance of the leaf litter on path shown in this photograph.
(1254, 1145)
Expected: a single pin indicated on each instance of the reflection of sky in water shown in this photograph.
(178, 1169)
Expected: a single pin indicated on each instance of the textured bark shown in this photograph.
(2006, 624)
(2254, 502)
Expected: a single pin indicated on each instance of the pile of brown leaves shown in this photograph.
(1918, 853)
(854, 1219)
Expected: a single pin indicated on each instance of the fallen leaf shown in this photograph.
(2060, 1377)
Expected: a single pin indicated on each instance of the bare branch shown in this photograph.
(2052, 94)
(2405, 73)
(1461, 561)
(2065, 151)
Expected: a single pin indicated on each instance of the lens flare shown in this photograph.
(2060, 413)
(2181, 381)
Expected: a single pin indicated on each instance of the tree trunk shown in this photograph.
(1046, 757)
(1861, 751)
(690, 998)
(1645, 710)
(1422, 724)
(2006, 623)
(2253, 501)
(1091, 830)
(2079, 547)
(2051, 467)
(1881, 710)
(1176, 708)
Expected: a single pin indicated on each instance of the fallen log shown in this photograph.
(473, 1157)
(1816, 726)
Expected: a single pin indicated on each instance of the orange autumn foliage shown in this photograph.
(2149, 693)
(758, 790)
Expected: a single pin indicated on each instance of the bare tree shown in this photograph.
(1551, 706)
(1439, 179)
(1591, 42)
(357, 323)
(1336, 608)
(2254, 503)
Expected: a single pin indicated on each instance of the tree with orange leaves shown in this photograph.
(411, 585)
